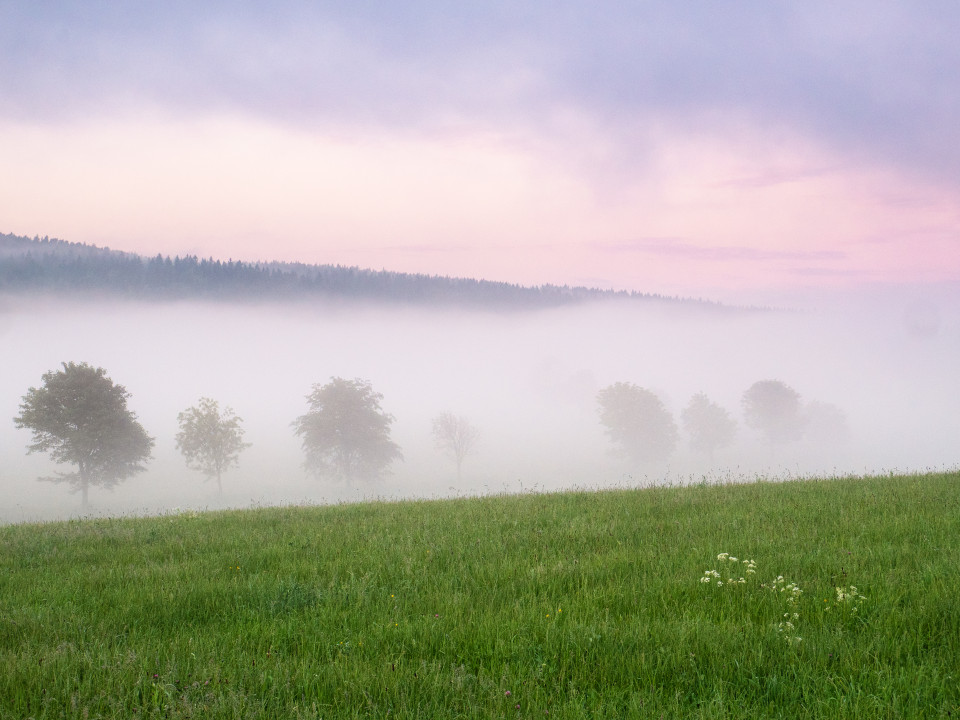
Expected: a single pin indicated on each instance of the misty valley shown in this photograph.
(415, 361)
(873, 392)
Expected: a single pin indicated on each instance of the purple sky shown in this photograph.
(725, 150)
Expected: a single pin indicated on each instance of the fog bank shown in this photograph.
(527, 380)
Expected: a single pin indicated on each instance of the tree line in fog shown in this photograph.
(57, 266)
(79, 416)
(643, 430)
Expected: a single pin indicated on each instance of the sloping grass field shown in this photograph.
(575, 605)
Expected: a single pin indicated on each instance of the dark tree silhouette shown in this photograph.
(51, 265)
(773, 408)
(637, 422)
(80, 417)
(708, 425)
(346, 434)
(209, 440)
(456, 436)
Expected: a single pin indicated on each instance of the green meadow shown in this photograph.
(613, 604)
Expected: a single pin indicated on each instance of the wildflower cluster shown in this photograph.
(849, 595)
(788, 630)
(750, 567)
(848, 598)
(790, 592)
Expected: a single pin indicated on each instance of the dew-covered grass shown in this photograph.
(570, 605)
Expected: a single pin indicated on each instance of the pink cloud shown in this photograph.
(707, 214)
(677, 248)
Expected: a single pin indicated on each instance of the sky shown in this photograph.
(729, 150)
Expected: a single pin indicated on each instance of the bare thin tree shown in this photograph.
(456, 436)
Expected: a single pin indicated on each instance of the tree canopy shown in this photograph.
(825, 424)
(708, 426)
(637, 422)
(80, 417)
(346, 434)
(210, 440)
(773, 408)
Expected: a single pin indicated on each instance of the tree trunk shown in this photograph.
(84, 484)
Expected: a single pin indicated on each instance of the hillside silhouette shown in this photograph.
(52, 266)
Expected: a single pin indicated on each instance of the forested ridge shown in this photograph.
(49, 265)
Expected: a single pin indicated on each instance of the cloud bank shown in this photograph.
(838, 122)
(877, 78)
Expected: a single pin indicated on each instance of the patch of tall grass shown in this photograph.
(572, 605)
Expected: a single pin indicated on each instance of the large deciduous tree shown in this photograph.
(345, 433)
(80, 417)
(637, 422)
(210, 440)
(456, 436)
(708, 426)
(774, 409)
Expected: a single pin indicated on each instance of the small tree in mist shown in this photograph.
(773, 408)
(708, 426)
(824, 423)
(637, 422)
(456, 436)
(209, 440)
(345, 433)
(80, 417)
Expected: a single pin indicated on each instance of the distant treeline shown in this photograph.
(58, 266)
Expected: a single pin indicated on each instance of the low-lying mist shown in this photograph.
(527, 380)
